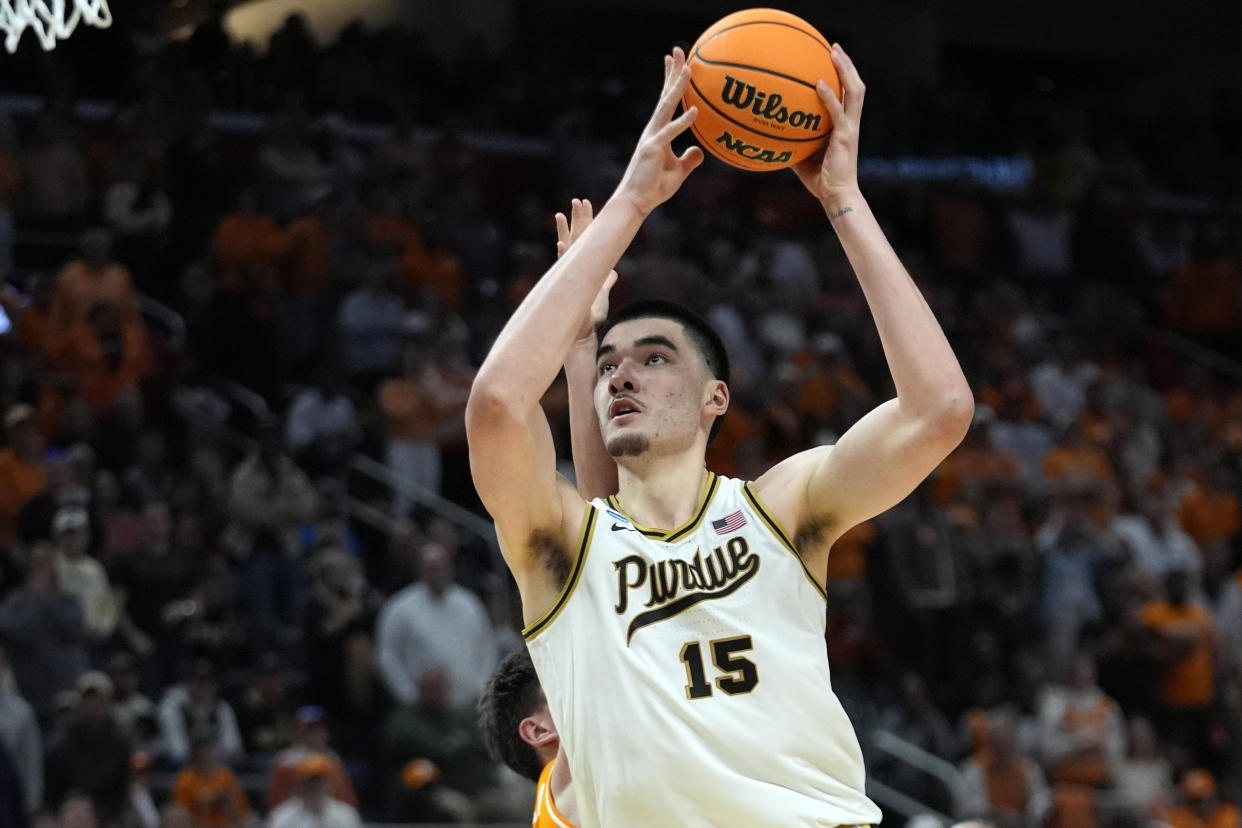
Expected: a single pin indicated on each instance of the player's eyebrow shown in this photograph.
(654, 339)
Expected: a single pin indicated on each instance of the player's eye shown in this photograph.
(656, 359)
(607, 368)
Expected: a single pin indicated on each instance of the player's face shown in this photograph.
(651, 388)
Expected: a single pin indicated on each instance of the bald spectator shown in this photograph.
(21, 468)
(45, 628)
(435, 622)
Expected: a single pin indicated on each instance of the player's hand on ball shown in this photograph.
(833, 173)
(567, 232)
(655, 171)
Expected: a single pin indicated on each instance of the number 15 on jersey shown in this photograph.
(738, 674)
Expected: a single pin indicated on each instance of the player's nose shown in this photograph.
(624, 378)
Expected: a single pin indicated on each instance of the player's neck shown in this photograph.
(561, 789)
(662, 495)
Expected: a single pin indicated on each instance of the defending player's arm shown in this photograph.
(887, 453)
(594, 468)
(511, 454)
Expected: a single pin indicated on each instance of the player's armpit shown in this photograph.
(513, 463)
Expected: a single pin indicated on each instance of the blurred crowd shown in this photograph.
(199, 629)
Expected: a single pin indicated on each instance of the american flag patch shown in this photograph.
(729, 523)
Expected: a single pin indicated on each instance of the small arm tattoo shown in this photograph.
(837, 214)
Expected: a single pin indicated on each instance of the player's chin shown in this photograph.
(626, 444)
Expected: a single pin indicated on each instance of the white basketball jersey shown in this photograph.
(687, 673)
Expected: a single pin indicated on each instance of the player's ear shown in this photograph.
(536, 732)
(717, 402)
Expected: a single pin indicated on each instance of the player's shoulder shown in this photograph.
(784, 484)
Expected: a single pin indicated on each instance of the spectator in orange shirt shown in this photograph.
(419, 408)
(1002, 785)
(435, 274)
(209, 790)
(85, 281)
(1205, 294)
(974, 466)
(1082, 732)
(1210, 510)
(1202, 807)
(1183, 646)
(21, 468)
(1076, 456)
(106, 358)
(247, 238)
(309, 739)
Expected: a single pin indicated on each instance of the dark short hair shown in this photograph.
(700, 331)
(512, 693)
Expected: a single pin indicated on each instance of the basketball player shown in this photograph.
(518, 730)
(685, 667)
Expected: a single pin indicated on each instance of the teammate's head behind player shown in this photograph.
(663, 377)
(514, 719)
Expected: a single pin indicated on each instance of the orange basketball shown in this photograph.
(752, 76)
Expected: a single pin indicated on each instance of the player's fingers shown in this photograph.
(690, 159)
(836, 110)
(852, 86)
(580, 219)
(562, 230)
(609, 282)
(678, 125)
(561, 247)
(673, 90)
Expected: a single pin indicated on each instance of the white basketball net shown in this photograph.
(51, 20)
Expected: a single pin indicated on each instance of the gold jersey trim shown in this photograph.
(672, 535)
(584, 546)
(782, 536)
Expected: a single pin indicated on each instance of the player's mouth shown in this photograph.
(623, 409)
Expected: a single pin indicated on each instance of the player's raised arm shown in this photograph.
(594, 468)
(511, 455)
(887, 453)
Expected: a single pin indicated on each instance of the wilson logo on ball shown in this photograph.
(752, 152)
(744, 95)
